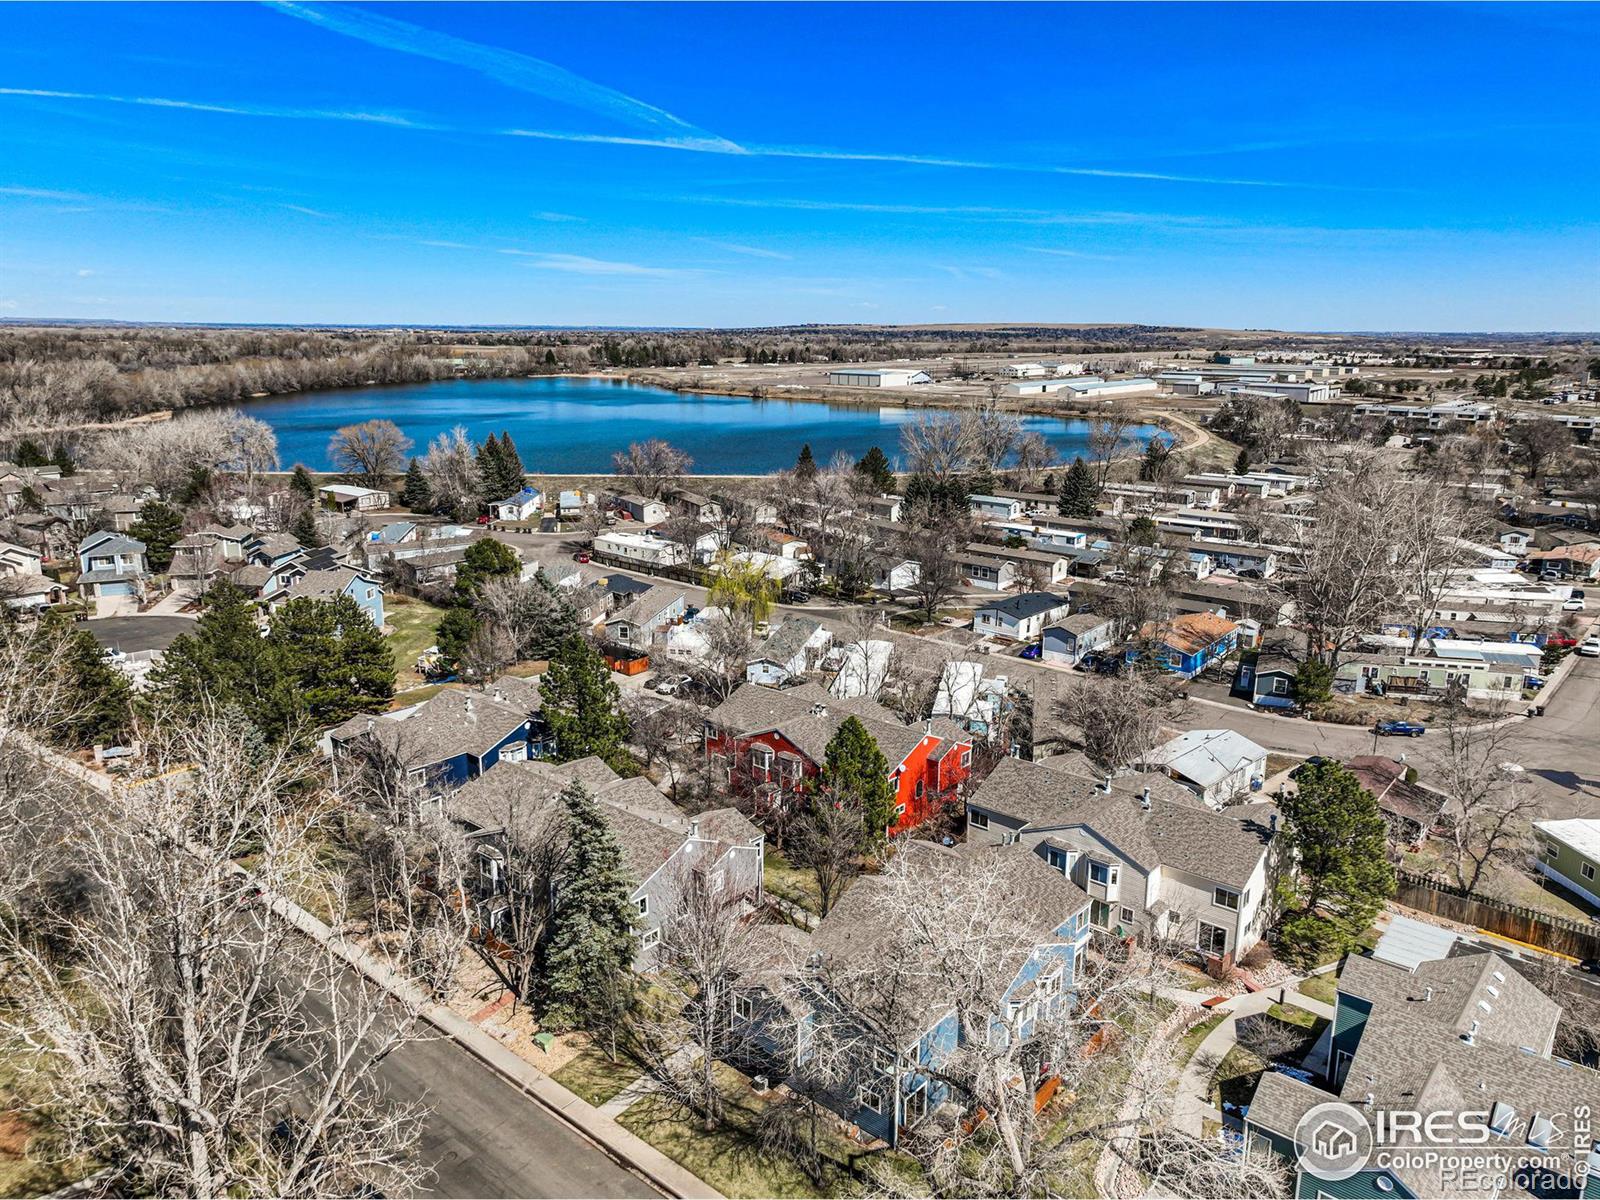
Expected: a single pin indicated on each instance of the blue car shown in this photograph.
(1031, 651)
(1400, 729)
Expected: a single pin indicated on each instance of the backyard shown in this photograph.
(412, 623)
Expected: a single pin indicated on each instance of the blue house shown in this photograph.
(327, 584)
(525, 505)
(863, 979)
(1189, 644)
(111, 564)
(453, 737)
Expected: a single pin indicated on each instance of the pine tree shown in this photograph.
(454, 634)
(159, 527)
(302, 485)
(1242, 464)
(489, 469)
(874, 465)
(588, 976)
(416, 494)
(1156, 452)
(30, 454)
(484, 559)
(805, 467)
(550, 359)
(225, 663)
(101, 697)
(333, 657)
(855, 772)
(64, 462)
(582, 706)
(1078, 491)
(513, 478)
(304, 530)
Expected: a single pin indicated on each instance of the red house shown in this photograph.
(773, 740)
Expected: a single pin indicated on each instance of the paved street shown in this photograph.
(132, 634)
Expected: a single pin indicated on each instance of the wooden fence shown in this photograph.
(1579, 939)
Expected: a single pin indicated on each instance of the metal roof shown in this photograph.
(1409, 943)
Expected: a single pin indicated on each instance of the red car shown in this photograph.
(483, 520)
(581, 556)
(1561, 641)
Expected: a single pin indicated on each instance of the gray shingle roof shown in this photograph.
(756, 709)
(1025, 605)
(453, 722)
(788, 639)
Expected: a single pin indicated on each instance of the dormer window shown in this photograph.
(1501, 1118)
(1541, 1132)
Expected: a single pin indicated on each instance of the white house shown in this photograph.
(526, 504)
(867, 377)
(644, 548)
(1218, 765)
(344, 497)
(642, 509)
(1019, 618)
(792, 649)
(1007, 508)
(1069, 639)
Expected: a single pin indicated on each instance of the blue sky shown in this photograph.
(1299, 166)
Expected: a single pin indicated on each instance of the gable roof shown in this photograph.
(788, 640)
(1195, 631)
(1206, 756)
(1025, 605)
(808, 716)
(107, 541)
(453, 722)
(324, 584)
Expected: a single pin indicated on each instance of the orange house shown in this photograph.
(773, 741)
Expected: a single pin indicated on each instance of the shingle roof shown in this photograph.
(1206, 756)
(453, 722)
(1224, 847)
(321, 585)
(1080, 623)
(756, 709)
(1025, 605)
(788, 639)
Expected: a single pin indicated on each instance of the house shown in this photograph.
(696, 505)
(1569, 853)
(1408, 810)
(774, 742)
(1003, 507)
(643, 509)
(1459, 1045)
(1155, 863)
(861, 973)
(1268, 676)
(1038, 567)
(646, 549)
(791, 650)
(990, 574)
(1383, 666)
(450, 738)
(346, 498)
(31, 593)
(894, 573)
(1067, 640)
(1579, 563)
(867, 377)
(1218, 765)
(111, 564)
(327, 583)
(571, 503)
(19, 560)
(1020, 618)
(660, 844)
(636, 624)
(526, 505)
(1189, 644)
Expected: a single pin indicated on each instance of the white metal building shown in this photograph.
(867, 377)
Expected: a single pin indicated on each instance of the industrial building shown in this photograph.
(868, 377)
(1105, 389)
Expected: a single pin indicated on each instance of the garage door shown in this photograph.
(116, 589)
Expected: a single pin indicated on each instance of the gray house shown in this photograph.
(1020, 618)
(1070, 638)
(111, 564)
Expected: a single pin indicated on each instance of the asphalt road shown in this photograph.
(485, 1138)
(133, 634)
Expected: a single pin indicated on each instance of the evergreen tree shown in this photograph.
(159, 527)
(1156, 452)
(416, 494)
(484, 559)
(304, 530)
(490, 469)
(302, 485)
(196, 489)
(1337, 838)
(98, 696)
(588, 976)
(874, 465)
(854, 771)
(64, 462)
(1142, 531)
(455, 633)
(1242, 464)
(1079, 492)
(225, 663)
(550, 359)
(805, 467)
(31, 454)
(513, 478)
(333, 657)
(582, 706)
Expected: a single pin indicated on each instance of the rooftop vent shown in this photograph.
(1144, 800)
(819, 710)
(1470, 1037)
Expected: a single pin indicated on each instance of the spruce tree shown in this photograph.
(454, 634)
(550, 359)
(100, 704)
(582, 706)
(63, 460)
(302, 485)
(1078, 491)
(588, 978)
(854, 771)
(489, 469)
(304, 530)
(225, 663)
(416, 494)
(1156, 452)
(484, 559)
(159, 527)
(805, 467)
(1242, 463)
(512, 475)
(30, 454)
(333, 657)
(874, 465)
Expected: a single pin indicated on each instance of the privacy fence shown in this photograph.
(1579, 939)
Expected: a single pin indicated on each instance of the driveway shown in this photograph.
(133, 635)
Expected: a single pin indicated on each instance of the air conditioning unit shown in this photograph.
(759, 1083)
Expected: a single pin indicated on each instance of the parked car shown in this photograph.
(671, 685)
(483, 519)
(1399, 729)
(582, 556)
(1575, 604)
(1590, 646)
(1561, 641)
(1031, 650)
(799, 597)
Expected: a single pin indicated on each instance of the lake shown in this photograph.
(566, 425)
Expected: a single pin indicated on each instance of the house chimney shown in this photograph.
(1272, 823)
(1470, 1037)
(694, 827)
(1427, 994)
(1144, 800)
(1105, 784)
(468, 705)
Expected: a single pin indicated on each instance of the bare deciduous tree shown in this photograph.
(370, 451)
(1107, 434)
(652, 466)
(1487, 808)
(1118, 719)
(936, 444)
(451, 469)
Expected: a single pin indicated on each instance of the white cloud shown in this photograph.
(33, 193)
(84, 272)
(748, 251)
(580, 264)
(309, 212)
(236, 110)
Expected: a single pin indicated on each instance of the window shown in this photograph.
(1126, 915)
(643, 905)
(1225, 898)
(917, 791)
(966, 759)
(1212, 940)
(1057, 859)
(760, 760)
(869, 1098)
(1102, 873)
(883, 1059)
(900, 809)
(650, 938)
(744, 1007)
(917, 1103)
(1099, 914)
(515, 752)
(977, 819)
(1280, 685)
(1587, 870)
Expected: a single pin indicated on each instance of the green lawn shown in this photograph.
(731, 1158)
(1319, 987)
(22, 1173)
(1190, 1042)
(1236, 1078)
(594, 1077)
(413, 622)
(789, 882)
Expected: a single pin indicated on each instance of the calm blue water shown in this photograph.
(566, 425)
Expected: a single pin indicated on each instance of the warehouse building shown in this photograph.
(864, 377)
